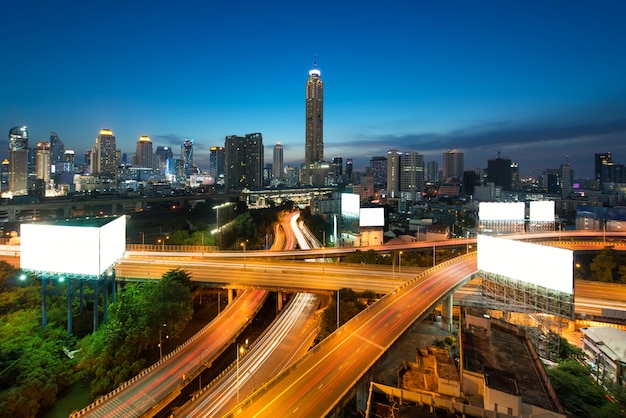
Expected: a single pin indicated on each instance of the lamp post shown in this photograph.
(400, 262)
(161, 342)
(338, 308)
(243, 244)
(200, 369)
(434, 254)
(240, 350)
(142, 238)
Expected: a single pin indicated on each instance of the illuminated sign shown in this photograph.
(372, 217)
(542, 211)
(350, 205)
(87, 247)
(501, 211)
(545, 266)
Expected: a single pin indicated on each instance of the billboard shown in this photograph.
(350, 205)
(545, 266)
(86, 248)
(542, 211)
(501, 211)
(372, 217)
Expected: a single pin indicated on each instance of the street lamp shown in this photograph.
(400, 262)
(161, 342)
(240, 350)
(338, 308)
(243, 244)
(200, 369)
(142, 238)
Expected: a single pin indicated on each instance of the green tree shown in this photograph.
(603, 265)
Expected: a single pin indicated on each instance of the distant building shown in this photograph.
(217, 156)
(186, 155)
(412, 176)
(337, 167)
(164, 160)
(314, 141)
(42, 153)
(57, 149)
(432, 171)
(453, 165)
(104, 156)
(244, 161)
(18, 156)
(144, 155)
(499, 172)
(393, 173)
(278, 162)
(378, 170)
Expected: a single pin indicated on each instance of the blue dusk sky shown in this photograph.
(535, 81)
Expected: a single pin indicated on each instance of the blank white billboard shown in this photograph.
(72, 249)
(501, 211)
(350, 205)
(542, 211)
(372, 217)
(545, 266)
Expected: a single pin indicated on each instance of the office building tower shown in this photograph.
(603, 168)
(412, 176)
(432, 172)
(499, 173)
(217, 158)
(314, 141)
(349, 170)
(105, 157)
(164, 160)
(186, 155)
(567, 179)
(18, 154)
(393, 173)
(452, 165)
(57, 148)
(515, 175)
(278, 162)
(42, 161)
(244, 161)
(144, 155)
(337, 167)
(378, 170)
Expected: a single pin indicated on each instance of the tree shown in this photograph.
(603, 265)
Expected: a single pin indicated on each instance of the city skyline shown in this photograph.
(531, 82)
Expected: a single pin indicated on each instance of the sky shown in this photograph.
(542, 83)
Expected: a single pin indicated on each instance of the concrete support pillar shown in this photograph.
(230, 295)
(279, 301)
(446, 313)
(70, 297)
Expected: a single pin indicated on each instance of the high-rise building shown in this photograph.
(337, 167)
(278, 162)
(378, 170)
(164, 160)
(186, 155)
(42, 165)
(144, 155)
(217, 158)
(57, 148)
(603, 168)
(393, 173)
(453, 165)
(499, 173)
(567, 180)
(348, 170)
(104, 156)
(432, 171)
(412, 175)
(314, 141)
(244, 161)
(18, 150)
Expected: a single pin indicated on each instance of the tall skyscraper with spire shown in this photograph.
(277, 166)
(314, 141)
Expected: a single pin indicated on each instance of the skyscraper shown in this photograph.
(393, 173)
(164, 160)
(57, 148)
(144, 156)
(412, 175)
(42, 167)
(378, 170)
(432, 171)
(217, 157)
(244, 161)
(499, 172)
(186, 155)
(278, 162)
(314, 141)
(18, 150)
(104, 156)
(453, 165)
(337, 166)
(603, 168)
